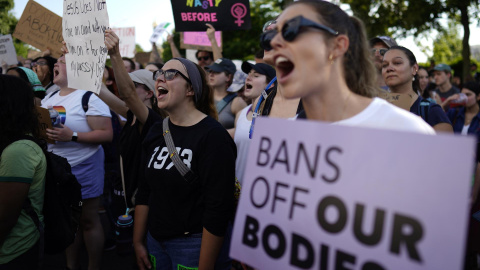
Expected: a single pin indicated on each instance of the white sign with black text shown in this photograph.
(84, 24)
(8, 54)
(323, 196)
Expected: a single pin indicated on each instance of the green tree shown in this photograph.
(415, 17)
(447, 46)
(7, 26)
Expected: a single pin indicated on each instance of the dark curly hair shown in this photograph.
(17, 110)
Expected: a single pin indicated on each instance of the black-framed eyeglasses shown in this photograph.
(381, 51)
(290, 31)
(204, 58)
(267, 24)
(169, 74)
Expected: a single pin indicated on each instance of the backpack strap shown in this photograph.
(423, 109)
(85, 99)
(187, 174)
(224, 102)
(53, 93)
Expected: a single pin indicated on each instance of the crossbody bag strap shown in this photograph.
(224, 102)
(187, 174)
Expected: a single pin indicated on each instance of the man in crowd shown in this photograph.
(379, 46)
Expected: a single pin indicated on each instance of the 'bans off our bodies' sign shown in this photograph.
(339, 197)
(192, 15)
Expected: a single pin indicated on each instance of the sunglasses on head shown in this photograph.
(169, 74)
(290, 31)
(381, 51)
(204, 58)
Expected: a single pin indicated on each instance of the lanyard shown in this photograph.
(264, 95)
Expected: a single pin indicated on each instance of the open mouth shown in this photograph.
(55, 72)
(248, 86)
(162, 92)
(284, 67)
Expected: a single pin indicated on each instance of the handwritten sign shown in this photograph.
(40, 28)
(7, 50)
(199, 40)
(44, 122)
(340, 197)
(84, 25)
(127, 41)
(159, 30)
(192, 15)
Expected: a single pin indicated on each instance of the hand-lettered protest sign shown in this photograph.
(127, 40)
(159, 30)
(44, 122)
(340, 197)
(199, 40)
(84, 25)
(40, 28)
(7, 50)
(192, 15)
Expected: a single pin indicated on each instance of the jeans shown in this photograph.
(183, 253)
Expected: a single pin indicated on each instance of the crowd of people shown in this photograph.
(184, 130)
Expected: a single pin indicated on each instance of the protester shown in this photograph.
(220, 77)
(379, 45)
(22, 175)
(43, 67)
(238, 85)
(129, 64)
(259, 75)
(442, 74)
(153, 66)
(79, 140)
(399, 70)
(28, 63)
(29, 76)
(332, 68)
(427, 87)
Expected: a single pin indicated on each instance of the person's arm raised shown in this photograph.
(126, 87)
(173, 47)
(117, 105)
(217, 52)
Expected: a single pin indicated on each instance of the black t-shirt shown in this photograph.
(175, 206)
(130, 147)
(434, 113)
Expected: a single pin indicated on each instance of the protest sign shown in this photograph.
(44, 122)
(338, 197)
(40, 28)
(199, 40)
(7, 50)
(192, 15)
(159, 30)
(127, 41)
(84, 25)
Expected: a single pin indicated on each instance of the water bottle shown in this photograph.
(124, 233)
(54, 117)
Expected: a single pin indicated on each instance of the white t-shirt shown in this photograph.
(381, 114)
(73, 116)
(242, 129)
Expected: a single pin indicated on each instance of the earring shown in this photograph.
(330, 58)
(413, 79)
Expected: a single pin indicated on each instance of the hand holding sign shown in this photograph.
(112, 42)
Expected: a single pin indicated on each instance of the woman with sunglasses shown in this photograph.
(184, 223)
(321, 55)
(399, 70)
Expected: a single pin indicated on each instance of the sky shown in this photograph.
(142, 14)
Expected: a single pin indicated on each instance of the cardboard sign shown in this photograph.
(7, 50)
(127, 41)
(192, 15)
(44, 123)
(403, 101)
(322, 196)
(40, 28)
(84, 25)
(159, 30)
(199, 40)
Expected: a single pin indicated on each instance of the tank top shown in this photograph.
(243, 142)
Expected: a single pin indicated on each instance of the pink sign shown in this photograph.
(201, 38)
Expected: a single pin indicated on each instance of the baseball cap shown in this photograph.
(385, 39)
(442, 67)
(238, 81)
(260, 68)
(143, 76)
(221, 65)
